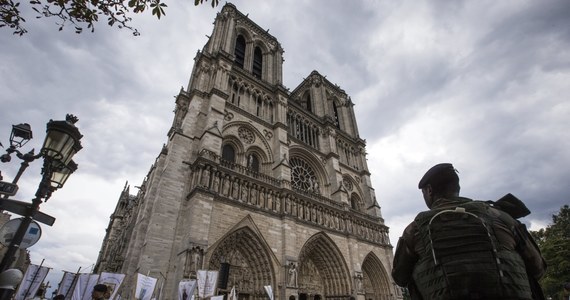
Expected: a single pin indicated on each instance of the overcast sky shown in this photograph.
(481, 84)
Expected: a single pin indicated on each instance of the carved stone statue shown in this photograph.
(235, 189)
(244, 188)
(226, 186)
(206, 176)
(216, 182)
(253, 195)
(359, 288)
(292, 275)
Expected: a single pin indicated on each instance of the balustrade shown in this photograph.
(267, 193)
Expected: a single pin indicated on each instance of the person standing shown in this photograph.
(464, 249)
(99, 291)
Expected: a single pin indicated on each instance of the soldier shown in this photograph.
(465, 249)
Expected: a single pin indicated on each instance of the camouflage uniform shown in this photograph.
(512, 238)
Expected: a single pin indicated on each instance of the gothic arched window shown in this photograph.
(239, 51)
(259, 105)
(235, 94)
(253, 162)
(257, 62)
(336, 118)
(355, 202)
(303, 176)
(229, 153)
(308, 103)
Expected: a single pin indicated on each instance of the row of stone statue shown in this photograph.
(265, 198)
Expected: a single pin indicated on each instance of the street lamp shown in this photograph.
(61, 143)
(21, 134)
(62, 140)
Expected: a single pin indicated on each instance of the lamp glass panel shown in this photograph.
(61, 172)
(58, 178)
(59, 175)
(59, 145)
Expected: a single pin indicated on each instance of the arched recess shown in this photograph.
(262, 45)
(257, 68)
(240, 30)
(336, 111)
(356, 203)
(313, 162)
(375, 278)
(240, 46)
(352, 186)
(229, 153)
(250, 259)
(259, 63)
(252, 153)
(307, 101)
(239, 51)
(257, 140)
(322, 269)
(237, 146)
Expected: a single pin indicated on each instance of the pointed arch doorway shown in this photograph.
(323, 273)
(248, 262)
(375, 279)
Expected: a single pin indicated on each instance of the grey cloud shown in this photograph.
(479, 84)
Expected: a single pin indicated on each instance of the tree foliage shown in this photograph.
(554, 243)
(81, 13)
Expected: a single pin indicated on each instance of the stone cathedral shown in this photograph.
(266, 185)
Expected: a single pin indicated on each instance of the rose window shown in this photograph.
(246, 135)
(302, 175)
(347, 183)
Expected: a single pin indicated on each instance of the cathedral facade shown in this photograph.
(266, 185)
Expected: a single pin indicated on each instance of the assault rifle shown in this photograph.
(517, 209)
(511, 205)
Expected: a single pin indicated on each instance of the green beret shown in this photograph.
(438, 174)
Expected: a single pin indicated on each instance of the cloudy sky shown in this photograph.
(481, 84)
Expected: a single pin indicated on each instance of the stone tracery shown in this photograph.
(303, 176)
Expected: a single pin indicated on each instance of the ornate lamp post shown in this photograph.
(20, 135)
(60, 145)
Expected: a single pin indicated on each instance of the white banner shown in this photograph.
(217, 297)
(83, 286)
(233, 294)
(33, 278)
(160, 288)
(93, 278)
(81, 282)
(112, 281)
(145, 287)
(186, 289)
(65, 284)
(269, 291)
(207, 281)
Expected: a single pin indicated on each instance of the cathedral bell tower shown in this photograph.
(269, 187)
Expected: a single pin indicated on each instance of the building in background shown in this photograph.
(267, 186)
